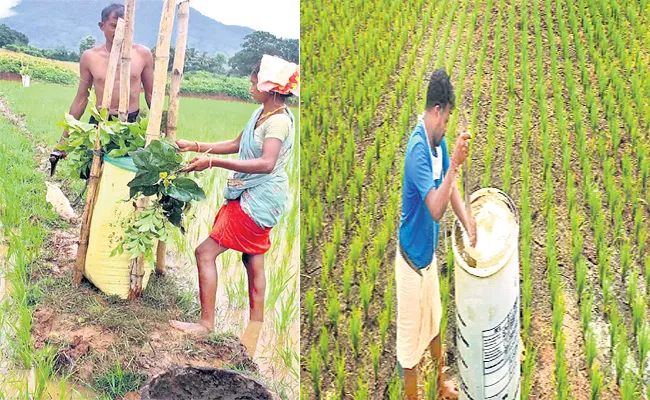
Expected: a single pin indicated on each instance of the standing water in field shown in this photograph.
(487, 300)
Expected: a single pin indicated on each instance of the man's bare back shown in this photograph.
(94, 64)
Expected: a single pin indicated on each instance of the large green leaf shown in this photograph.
(163, 156)
(185, 189)
(144, 178)
(145, 190)
(83, 126)
(142, 159)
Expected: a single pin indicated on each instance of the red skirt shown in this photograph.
(234, 229)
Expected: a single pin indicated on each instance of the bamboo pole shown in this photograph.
(183, 16)
(125, 67)
(95, 169)
(161, 62)
(177, 70)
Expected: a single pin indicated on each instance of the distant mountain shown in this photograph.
(53, 23)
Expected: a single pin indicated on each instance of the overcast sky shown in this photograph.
(279, 17)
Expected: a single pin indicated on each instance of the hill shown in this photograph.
(50, 24)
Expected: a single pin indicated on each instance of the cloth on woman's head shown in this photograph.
(278, 75)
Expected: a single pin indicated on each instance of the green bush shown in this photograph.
(201, 82)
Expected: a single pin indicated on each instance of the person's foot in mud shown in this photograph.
(190, 327)
(448, 390)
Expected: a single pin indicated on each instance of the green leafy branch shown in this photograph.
(117, 138)
(158, 165)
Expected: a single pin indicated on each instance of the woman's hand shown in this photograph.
(198, 164)
(185, 145)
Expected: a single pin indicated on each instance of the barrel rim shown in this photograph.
(507, 253)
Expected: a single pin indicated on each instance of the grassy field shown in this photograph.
(557, 96)
(175, 296)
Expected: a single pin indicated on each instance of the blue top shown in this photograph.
(418, 231)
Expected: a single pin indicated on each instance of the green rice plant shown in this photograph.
(363, 390)
(333, 307)
(527, 371)
(290, 358)
(44, 364)
(558, 316)
(620, 353)
(628, 388)
(626, 258)
(315, 370)
(355, 252)
(355, 331)
(373, 267)
(384, 321)
(577, 242)
(117, 381)
(586, 305)
(329, 256)
(590, 348)
(323, 345)
(614, 320)
(310, 303)
(638, 312)
(339, 369)
(632, 288)
(643, 345)
(431, 384)
(279, 279)
(597, 381)
(365, 291)
(395, 389)
(642, 240)
(348, 270)
(581, 277)
(237, 291)
(646, 272)
(375, 353)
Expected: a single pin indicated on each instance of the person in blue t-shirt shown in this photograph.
(428, 187)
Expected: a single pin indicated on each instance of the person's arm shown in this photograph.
(147, 75)
(458, 205)
(262, 165)
(437, 199)
(225, 147)
(80, 101)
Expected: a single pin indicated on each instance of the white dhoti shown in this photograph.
(419, 310)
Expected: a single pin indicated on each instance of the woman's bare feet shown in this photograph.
(449, 391)
(190, 327)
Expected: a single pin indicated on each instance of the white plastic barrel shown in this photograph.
(26, 80)
(487, 301)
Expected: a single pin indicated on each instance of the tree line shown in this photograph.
(240, 64)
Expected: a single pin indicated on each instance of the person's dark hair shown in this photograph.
(283, 97)
(118, 9)
(440, 91)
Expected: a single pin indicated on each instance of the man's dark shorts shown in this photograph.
(130, 118)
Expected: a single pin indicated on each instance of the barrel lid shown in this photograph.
(122, 162)
(498, 232)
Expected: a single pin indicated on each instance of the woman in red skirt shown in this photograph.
(255, 194)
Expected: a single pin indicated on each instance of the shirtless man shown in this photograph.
(93, 65)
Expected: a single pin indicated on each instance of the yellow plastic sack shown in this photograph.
(111, 275)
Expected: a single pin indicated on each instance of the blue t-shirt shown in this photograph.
(418, 231)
